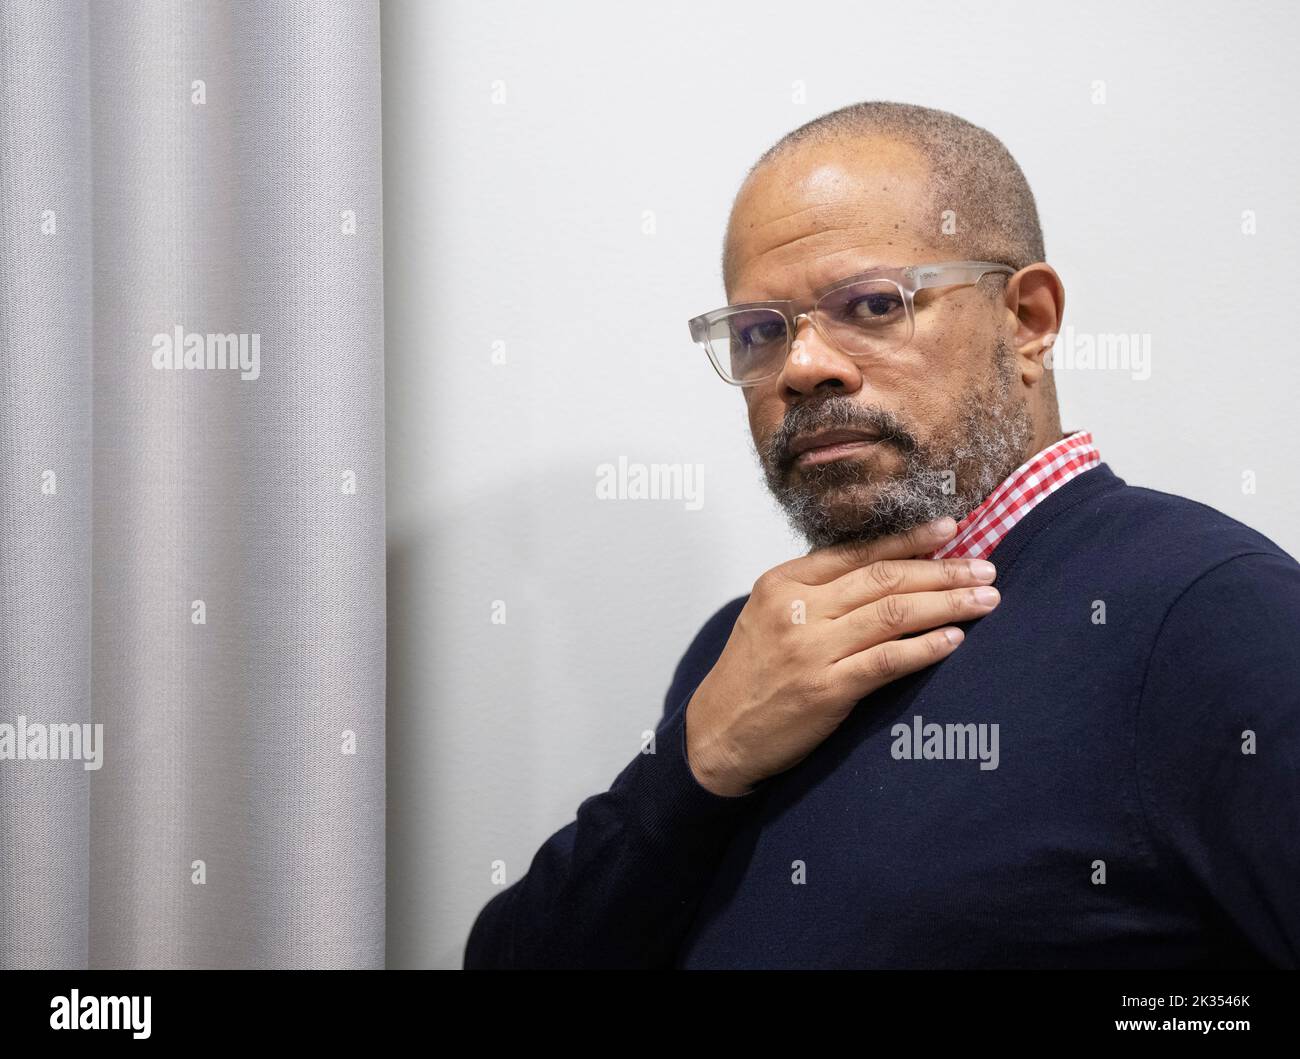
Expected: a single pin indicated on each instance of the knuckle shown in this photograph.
(954, 572)
(892, 611)
(885, 662)
(959, 600)
(885, 576)
(918, 537)
(858, 553)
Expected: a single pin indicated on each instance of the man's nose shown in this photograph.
(813, 363)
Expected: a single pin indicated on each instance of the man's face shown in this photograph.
(940, 422)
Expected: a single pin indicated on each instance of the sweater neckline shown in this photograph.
(1088, 485)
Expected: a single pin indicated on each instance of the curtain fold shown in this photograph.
(193, 352)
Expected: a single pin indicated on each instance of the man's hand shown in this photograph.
(817, 634)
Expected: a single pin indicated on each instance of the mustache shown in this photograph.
(834, 413)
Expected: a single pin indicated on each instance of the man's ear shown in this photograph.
(1036, 297)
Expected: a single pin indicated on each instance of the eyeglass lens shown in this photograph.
(863, 319)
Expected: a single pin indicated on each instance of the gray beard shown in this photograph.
(948, 477)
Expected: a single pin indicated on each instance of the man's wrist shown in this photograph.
(709, 768)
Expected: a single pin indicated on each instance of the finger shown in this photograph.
(893, 577)
(823, 565)
(860, 674)
(895, 616)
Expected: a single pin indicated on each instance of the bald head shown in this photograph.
(967, 196)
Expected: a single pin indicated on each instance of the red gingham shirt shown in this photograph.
(980, 531)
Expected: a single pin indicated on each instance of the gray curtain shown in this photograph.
(191, 556)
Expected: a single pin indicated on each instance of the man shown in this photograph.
(876, 759)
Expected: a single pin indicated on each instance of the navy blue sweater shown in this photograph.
(1143, 670)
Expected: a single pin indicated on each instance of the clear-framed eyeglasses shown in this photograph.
(869, 314)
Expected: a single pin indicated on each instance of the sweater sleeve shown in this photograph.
(1218, 751)
(619, 885)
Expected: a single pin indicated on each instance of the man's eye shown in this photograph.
(873, 306)
(762, 334)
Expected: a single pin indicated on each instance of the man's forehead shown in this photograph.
(802, 267)
(818, 214)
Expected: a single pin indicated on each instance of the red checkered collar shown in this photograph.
(1036, 479)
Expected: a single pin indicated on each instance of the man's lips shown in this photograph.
(826, 445)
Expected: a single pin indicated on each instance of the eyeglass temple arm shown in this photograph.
(966, 272)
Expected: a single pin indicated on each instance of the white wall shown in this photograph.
(521, 222)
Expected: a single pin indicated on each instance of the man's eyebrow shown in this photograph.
(829, 285)
(865, 270)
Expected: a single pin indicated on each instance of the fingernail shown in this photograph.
(985, 597)
(942, 527)
(954, 635)
(985, 571)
